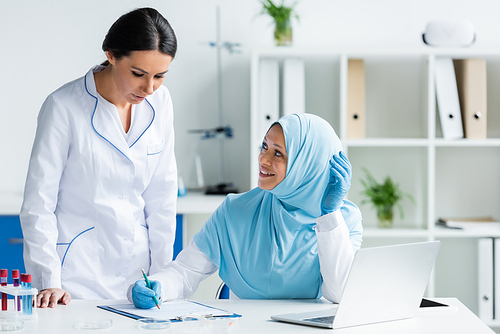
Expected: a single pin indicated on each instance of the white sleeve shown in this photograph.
(180, 278)
(160, 200)
(335, 254)
(38, 221)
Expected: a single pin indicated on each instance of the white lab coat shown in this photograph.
(336, 249)
(99, 207)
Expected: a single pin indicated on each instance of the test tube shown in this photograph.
(3, 280)
(15, 281)
(23, 284)
(29, 299)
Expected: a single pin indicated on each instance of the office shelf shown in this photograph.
(196, 202)
(447, 178)
(395, 233)
(443, 232)
(468, 143)
(387, 142)
(436, 233)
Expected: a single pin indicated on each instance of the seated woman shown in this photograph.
(292, 237)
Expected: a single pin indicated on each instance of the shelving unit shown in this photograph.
(404, 140)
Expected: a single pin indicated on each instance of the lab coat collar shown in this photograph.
(105, 126)
(143, 118)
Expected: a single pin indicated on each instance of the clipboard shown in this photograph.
(171, 310)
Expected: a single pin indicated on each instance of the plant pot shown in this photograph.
(283, 34)
(385, 215)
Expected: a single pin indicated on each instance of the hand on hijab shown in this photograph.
(142, 296)
(338, 185)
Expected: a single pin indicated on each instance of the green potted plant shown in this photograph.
(282, 16)
(384, 197)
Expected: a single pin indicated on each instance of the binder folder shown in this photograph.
(293, 86)
(447, 98)
(485, 279)
(356, 123)
(496, 278)
(269, 94)
(471, 84)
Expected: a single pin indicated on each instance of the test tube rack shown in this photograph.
(12, 311)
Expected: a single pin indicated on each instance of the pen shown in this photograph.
(149, 286)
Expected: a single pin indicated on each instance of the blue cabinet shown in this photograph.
(11, 245)
(178, 235)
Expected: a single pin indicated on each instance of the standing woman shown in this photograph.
(100, 195)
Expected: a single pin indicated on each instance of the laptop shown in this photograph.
(384, 284)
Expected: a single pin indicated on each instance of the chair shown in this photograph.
(223, 291)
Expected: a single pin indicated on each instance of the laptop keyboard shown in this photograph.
(321, 320)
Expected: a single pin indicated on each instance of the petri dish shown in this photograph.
(92, 323)
(10, 325)
(194, 323)
(220, 325)
(154, 324)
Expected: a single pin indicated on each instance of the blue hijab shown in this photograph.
(263, 241)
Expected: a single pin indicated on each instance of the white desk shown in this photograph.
(256, 318)
(198, 202)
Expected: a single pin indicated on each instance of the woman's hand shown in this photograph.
(142, 296)
(338, 185)
(51, 297)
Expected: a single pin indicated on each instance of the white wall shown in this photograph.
(44, 44)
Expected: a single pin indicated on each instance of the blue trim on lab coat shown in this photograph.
(93, 113)
(66, 243)
(154, 115)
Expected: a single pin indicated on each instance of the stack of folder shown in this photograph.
(479, 223)
(471, 84)
(280, 95)
(489, 278)
(356, 100)
(461, 93)
(461, 97)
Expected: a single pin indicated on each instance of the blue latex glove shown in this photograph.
(142, 296)
(338, 185)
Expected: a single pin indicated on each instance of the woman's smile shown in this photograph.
(263, 173)
(272, 158)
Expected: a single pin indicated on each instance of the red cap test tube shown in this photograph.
(23, 286)
(15, 281)
(3, 279)
(29, 302)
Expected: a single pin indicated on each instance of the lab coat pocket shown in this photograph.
(76, 254)
(155, 149)
(154, 153)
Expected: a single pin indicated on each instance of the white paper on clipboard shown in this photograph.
(170, 310)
